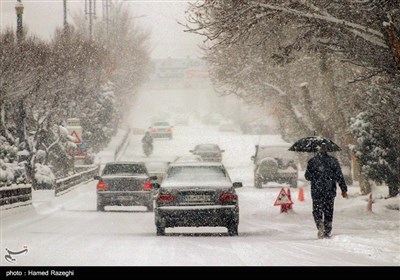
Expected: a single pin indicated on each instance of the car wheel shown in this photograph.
(160, 231)
(233, 230)
(100, 206)
(258, 183)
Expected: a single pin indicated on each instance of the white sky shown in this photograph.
(168, 39)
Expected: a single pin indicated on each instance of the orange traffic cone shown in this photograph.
(301, 194)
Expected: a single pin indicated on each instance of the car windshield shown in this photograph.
(199, 174)
(124, 169)
(204, 148)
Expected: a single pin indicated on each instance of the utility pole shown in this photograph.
(106, 15)
(90, 10)
(19, 9)
(65, 15)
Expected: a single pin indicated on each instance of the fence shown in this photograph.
(15, 195)
(65, 184)
(122, 146)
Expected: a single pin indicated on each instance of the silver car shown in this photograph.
(208, 152)
(197, 194)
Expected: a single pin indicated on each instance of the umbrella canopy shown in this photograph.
(312, 144)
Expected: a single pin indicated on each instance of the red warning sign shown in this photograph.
(78, 140)
(283, 198)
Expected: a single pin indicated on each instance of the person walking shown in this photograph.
(324, 172)
(147, 143)
(147, 138)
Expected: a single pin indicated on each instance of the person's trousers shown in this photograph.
(323, 213)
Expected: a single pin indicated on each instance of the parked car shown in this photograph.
(125, 184)
(189, 158)
(275, 164)
(161, 129)
(208, 152)
(197, 194)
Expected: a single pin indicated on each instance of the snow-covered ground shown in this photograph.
(68, 231)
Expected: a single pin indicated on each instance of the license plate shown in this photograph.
(197, 198)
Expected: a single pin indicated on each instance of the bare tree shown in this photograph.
(249, 42)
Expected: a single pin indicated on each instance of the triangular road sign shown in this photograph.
(77, 138)
(282, 198)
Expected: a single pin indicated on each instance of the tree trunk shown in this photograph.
(365, 186)
(393, 189)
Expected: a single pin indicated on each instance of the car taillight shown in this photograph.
(102, 186)
(169, 129)
(153, 129)
(228, 197)
(162, 198)
(218, 155)
(146, 186)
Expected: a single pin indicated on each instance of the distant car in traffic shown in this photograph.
(181, 119)
(125, 184)
(208, 152)
(228, 126)
(161, 129)
(197, 194)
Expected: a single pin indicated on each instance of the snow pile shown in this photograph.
(44, 176)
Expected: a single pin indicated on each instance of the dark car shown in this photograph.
(125, 184)
(197, 194)
(274, 163)
(208, 152)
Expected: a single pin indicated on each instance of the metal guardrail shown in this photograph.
(123, 144)
(15, 194)
(65, 184)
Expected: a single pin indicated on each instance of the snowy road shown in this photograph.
(67, 231)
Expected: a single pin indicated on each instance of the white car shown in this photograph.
(161, 129)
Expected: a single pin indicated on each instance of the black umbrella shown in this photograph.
(312, 144)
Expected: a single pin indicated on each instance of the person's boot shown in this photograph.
(321, 232)
(328, 229)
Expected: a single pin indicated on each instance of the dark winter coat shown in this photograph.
(324, 172)
(148, 139)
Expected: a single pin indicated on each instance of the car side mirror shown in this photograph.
(153, 178)
(97, 177)
(155, 186)
(222, 151)
(253, 158)
(237, 185)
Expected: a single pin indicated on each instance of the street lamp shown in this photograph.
(65, 15)
(19, 9)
